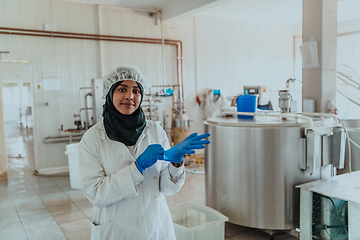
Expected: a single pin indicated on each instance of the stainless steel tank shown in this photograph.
(251, 170)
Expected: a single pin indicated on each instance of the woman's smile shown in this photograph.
(127, 104)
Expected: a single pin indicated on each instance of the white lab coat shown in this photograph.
(128, 204)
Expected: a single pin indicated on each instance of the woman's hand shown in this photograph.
(177, 152)
(150, 156)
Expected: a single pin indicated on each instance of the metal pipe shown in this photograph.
(348, 33)
(64, 136)
(319, 114)
(348, 79)
(82, 88)
(182, 71)
(97, 37)
(196, 72)
(178, 62)
(81, 109)
(294, 52)
(162, 47)
(87, 109)
(150, 103)
(61, 140)
(85, 38)
(282, 115)
(55, 33)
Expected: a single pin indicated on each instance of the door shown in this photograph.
(11, 100)
(17, 101)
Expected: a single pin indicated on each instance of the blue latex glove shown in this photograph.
(150, 156)
(177, 152)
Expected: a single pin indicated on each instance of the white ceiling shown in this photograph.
(289, 11)
(276, 11)
(146, 4)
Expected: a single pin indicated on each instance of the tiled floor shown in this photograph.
(34, 207)
(19, 150)
(39, 207)
(43, 208)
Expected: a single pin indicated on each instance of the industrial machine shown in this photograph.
(286, 102)
(252, 167)
(180, 121)
(91, 112)
(263, 96)
(259, 90)
(330, 208)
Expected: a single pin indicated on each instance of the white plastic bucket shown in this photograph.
(193, 221)
(72, 150)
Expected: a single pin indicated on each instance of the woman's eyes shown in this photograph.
(124, 90)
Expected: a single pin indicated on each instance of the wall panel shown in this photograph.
(231, 54)
(226, 54)
(76, 60)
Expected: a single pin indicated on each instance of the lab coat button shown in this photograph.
(141, 220)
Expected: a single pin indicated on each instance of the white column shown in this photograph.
(320, 25)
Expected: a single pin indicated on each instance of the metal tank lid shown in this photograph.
(261, 121)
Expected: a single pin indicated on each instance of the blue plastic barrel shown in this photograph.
(246, 103)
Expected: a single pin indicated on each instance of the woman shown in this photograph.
(125, 171)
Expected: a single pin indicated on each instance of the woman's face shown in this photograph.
(127, 97)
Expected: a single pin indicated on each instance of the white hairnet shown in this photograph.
(122, 73)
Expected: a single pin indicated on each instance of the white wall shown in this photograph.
(226, 54)
(347, 109)
(231, 54)
(77, 62)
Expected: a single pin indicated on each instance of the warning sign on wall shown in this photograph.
(51, 81)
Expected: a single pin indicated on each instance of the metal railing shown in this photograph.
(351, 78)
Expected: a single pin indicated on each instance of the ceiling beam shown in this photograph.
(184, 8)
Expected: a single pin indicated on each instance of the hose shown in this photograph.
(199, 160)
(213, 104)
(196, 159)
(192, 163)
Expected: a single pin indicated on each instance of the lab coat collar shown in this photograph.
(119, 147)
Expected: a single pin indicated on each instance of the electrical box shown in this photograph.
(309, 105)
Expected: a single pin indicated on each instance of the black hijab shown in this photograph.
(120, 127)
